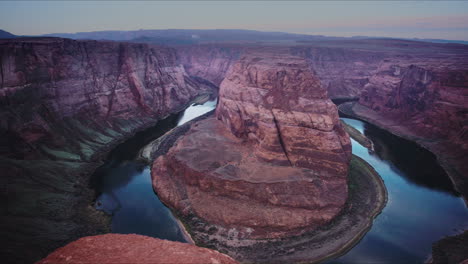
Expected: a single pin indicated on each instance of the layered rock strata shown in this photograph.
(210, 62)
(117, 248)
(424, 100)
(274, 161)
(63, 104)
(342, 71)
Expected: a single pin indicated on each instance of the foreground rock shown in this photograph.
(63, 104)
(116, 248)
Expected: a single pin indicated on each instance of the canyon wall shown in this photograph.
(342, 71)
(64, 103)
(210, 62)
(426, 100)
(418, 88)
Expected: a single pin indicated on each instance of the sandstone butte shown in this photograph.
(119, 248)
(272, 163)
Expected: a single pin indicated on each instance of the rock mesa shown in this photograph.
(273, 162)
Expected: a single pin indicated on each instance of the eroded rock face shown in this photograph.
(279, 105)
(63, 104)
(426, 101)
(430, 93)
(210, 62)
(117, 248)
(60, 78)
(342, 71)
(274, 161)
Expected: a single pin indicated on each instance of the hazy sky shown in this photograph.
(423, 19)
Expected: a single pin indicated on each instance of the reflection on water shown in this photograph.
(125, 189)
(416, 164)
(422, 205)
(196, 110)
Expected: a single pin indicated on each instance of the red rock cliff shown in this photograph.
(274, 165)
(46, 80)
(210, 62)
(63, 103)
(279, 104)
(424, 99)
(341, 70)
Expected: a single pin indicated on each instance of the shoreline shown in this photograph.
(347, 110)
(364, 204)
(375, 213)
(358, 136)
(315, 246)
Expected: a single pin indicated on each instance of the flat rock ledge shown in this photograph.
(132, 248)
(367, 198)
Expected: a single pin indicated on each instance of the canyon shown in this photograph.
(272, 164)
(65, 103)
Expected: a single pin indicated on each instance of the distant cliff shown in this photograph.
(6, 35)
(343, 72)
(210, 62)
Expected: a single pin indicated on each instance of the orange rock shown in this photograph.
(118, 248)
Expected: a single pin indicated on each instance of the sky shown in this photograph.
(406, 19)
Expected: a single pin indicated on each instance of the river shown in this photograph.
(124, 187)
(422, 204)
